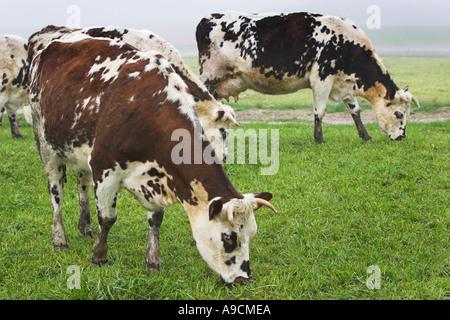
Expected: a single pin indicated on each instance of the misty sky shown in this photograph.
(176, 19)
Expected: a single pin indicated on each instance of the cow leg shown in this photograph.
(13, 121)
(56, 172)
(84, 183)
(355, 111)
(2, 110)
(153, 254)
(106, 196)
(321, 92)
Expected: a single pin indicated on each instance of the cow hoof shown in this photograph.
(19, 137)
(59, 247)
(154, 266)
(98, 263)
(367, 138)
(87, 233)
(320, 141)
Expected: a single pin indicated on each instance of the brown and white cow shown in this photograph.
(109, 111)
(13, 77)
(216, 118)
(283, 53)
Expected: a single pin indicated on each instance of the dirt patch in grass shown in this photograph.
(367, 116)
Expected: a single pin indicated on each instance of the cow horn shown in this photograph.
(406, 88)
(416, 102)
(234, 121)
(230, 215)
(266, 203)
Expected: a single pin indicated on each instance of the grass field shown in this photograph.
(342, 207)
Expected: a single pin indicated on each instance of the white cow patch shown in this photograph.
(111, 70)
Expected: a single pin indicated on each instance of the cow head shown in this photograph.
(223, 235)
(218, 118)
(394, 111)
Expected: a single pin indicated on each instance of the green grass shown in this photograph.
(428, 80)
(342, 207)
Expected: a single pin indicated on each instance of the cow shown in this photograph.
(14, 79)
(214, 116)
(109, 111)
(283, 53)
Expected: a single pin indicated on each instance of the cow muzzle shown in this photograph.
(238, 280)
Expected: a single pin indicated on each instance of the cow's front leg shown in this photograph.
(321, 92)
(355, 111)
(84, 183)
(153, 254)
(318, 134)
(106, 196)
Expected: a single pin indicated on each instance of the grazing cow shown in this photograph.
(214, 117)
(282, 53)
(14, 79)
(109, 111)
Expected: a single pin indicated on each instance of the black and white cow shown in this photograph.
(109, 111)
(13, 77)
(283, 53)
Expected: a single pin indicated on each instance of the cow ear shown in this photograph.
(263, 195)
(390, 94)
(215, 206)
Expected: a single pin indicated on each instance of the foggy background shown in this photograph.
(404, 27)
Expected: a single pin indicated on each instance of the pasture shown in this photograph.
(342, 207)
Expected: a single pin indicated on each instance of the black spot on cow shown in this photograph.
(114, 201)
(123, 166)
(245, 266)
(229, 241)
(153, 172)
(100, 32)
(352, 58)
(231, 261)
(282, 40)
(54, 192)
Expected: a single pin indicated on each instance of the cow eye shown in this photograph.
(398, 114)
(226, 237)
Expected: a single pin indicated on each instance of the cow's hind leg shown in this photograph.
(84, 183)
(355, 111)
(56, 174)
(11, 110)
(2, 110)
(153, 254)
(106, 191)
